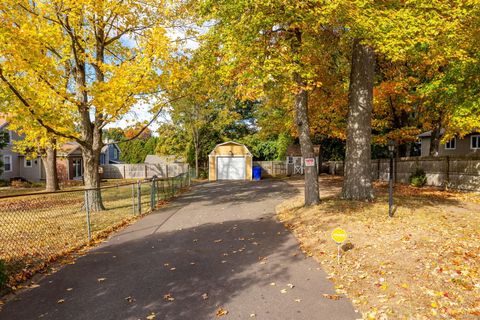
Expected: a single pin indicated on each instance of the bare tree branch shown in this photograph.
(157, 114)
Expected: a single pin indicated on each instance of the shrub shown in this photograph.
(203, 174)
(3, 274)
(18, 183)
(418, 178)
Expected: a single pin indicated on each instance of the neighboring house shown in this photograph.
(295, 163)
(110, 153)
(70, 165)
(466, 146)
(16, 165)
(69, 160)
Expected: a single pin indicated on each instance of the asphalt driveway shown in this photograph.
(217, 249)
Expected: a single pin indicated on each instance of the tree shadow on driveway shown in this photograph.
(199, 269)
(239, 191)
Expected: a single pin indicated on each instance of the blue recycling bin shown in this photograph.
(257, 173)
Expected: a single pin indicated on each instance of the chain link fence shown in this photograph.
(36, 229)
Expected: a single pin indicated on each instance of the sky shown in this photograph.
(140, 112)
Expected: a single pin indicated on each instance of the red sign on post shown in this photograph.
(309, 162)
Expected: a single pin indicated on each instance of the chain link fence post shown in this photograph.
(133, 199)
(87, 211)
(152, 195)
(139, 197)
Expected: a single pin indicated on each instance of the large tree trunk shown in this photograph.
(51, 174)
(358, 172)
(312, 195)
(91, 175)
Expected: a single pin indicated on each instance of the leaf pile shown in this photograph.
(422, 264)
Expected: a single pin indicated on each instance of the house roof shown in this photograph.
(105, 147)
(230, 142)
(68, 148)
(428, 134)
(3, 122)
(294, 150)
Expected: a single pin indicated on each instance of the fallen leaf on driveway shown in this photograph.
(218, 240)
(298, 300)
(168, 297)
(331, 296)
(69, 289)
(252, 315)
(221, 312)
(151, 316)
(205, 296)
(283, 291)
(101, 279)
(61, 301)
(130, 299)
(290, 285)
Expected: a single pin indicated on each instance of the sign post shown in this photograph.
(339, 236)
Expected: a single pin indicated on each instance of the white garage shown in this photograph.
(230, 161)
(230, 168)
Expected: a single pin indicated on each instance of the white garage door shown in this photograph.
(230, 168)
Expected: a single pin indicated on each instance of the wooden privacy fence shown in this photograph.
(271, 168)
(451, 172)
(142, 170)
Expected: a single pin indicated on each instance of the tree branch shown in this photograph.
(157, 114)
(32, 112)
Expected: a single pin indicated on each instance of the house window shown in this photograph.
(475, 142)
(115, 153)
(451, 144)
(102, 158)
(290, 160)
(7, 163)
(77, 168)
(28, 163)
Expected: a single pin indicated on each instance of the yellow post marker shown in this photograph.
(339, 236)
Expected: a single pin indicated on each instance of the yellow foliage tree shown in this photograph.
(77, 65)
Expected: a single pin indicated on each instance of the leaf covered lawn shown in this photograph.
(422, 264)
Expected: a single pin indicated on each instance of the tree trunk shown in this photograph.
(51, 174)
(435, 142)
(196, 143)
(196, 163)
(312, 195)
(91, 176)
(357, 184)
